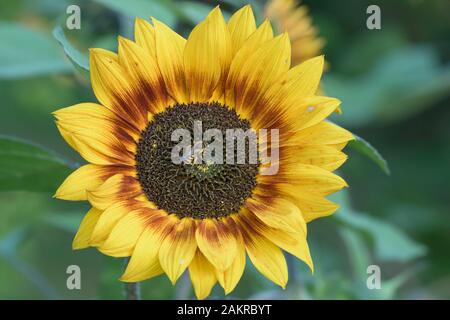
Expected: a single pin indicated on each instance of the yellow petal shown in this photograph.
(108, 221)
(86, 115)
(230, 278)
(202, 275)
(144, 262)
(97, 148)
(294, 243)
(74, 187)
(303, 80)
(278, 213)
(114, 90)
(326, 157)
(267, 65)
(117, 188)
(217, 242)
(207, 51)
(178, 249)
(124, 235)
(241, 25)
(68, 138)
(266, 257)
(169, 54)
(144, 34)
(143, 70)
(323, 133)
(254, 41)
(83, 235)
(87, 177)
(96, 134)
(307, 112)
(311, 205)
(311, 179)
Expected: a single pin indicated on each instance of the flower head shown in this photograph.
(206, 217)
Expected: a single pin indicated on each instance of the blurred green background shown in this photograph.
(394, 84)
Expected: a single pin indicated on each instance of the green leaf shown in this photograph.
(357, 252)
(160, 9)
(25, 52)
(76, 57)
(390, 243)
(360, 260)
(365, 148)
(25, 166)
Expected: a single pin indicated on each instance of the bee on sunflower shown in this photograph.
(169, 217)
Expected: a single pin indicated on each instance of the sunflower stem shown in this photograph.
(132, 289)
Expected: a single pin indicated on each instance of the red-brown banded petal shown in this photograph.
(294, 243)
(97, 148)
(88, 177)
(254, 41)
(92, 115)
(114, 90)
(144, 262)
(143, 71)
(265, 256)
(217, 242)
(291, 114)
(84, 232)
(267, 65)
(202, 275)
(169, 54)
(95, 136)
(144, 35)
(116, 188)
(178, 248)
(207, 56)
(276, 212)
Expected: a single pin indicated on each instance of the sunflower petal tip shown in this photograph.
(78, 246)
(126, 278)
(227, 290)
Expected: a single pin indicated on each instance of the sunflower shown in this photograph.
(292, 18)
(206, 218)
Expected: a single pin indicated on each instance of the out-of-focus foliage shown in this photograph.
(27, 167)
(394, 84)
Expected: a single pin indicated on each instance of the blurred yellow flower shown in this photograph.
(289, 17)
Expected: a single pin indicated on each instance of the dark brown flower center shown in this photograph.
(191, 188)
